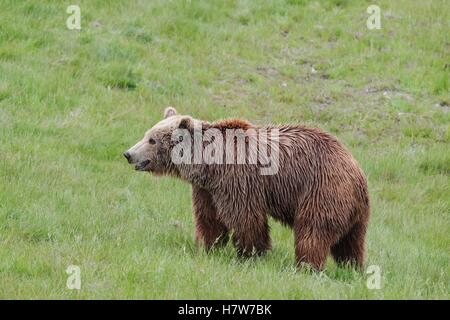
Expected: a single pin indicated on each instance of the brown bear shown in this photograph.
(316, 187)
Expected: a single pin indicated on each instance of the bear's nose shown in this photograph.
(127, 155)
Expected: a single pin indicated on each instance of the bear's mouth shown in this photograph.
(141, 166)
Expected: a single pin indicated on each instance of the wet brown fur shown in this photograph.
(319, 191)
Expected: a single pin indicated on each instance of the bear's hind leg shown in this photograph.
(311, 246)
(251, 237)
(209, 231)
(349, 250)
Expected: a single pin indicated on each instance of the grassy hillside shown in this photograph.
(72, 101)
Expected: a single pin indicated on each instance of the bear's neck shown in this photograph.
(197, 174)
(208, 152)
(199, 171)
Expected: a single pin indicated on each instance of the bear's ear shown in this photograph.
(186, 123)
(169, 112)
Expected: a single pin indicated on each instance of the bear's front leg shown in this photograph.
(251, 235)
(209, 231)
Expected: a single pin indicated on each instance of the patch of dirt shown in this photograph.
(95, 24)
(443, 105)
(322, 102)
(5, 119)
(267, 71)
(389, 92)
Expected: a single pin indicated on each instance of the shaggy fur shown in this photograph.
(319, 191)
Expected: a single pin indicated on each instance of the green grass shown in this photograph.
(72, 101)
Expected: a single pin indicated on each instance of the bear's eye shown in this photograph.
(151, 141)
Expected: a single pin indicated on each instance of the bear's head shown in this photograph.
(153, 152)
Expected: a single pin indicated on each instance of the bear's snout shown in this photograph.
(127, 155)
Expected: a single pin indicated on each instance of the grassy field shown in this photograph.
(72, 101)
